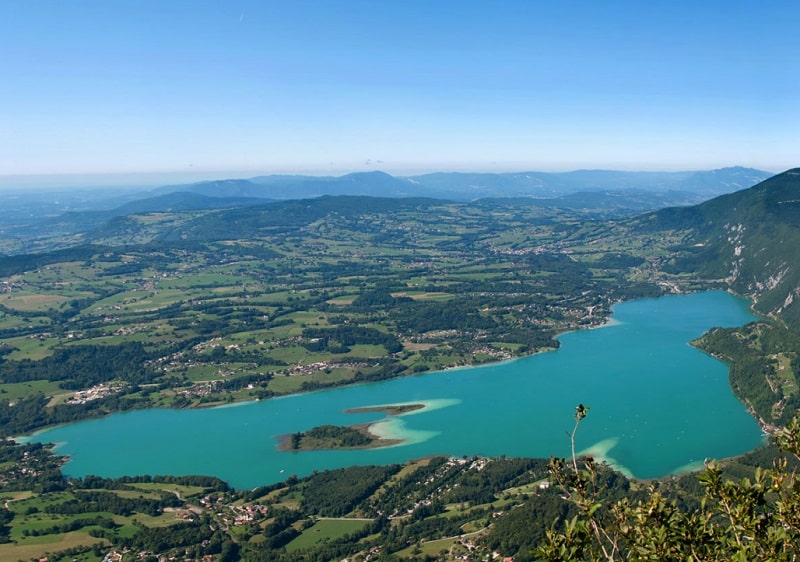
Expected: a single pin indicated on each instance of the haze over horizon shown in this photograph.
(184, 91)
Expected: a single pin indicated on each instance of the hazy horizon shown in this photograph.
(146, 180)
(326, 88)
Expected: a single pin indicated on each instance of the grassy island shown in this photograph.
(389, 409)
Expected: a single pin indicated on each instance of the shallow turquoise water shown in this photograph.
(657, 406)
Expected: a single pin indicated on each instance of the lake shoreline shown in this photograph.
(535, 396)
(241, 401)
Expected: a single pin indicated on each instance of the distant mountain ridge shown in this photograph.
(375, 184)
(749, 239)
(588, 194)
(545, 184)
(459, 186)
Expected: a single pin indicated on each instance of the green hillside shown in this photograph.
(288, 216)
(750, 239)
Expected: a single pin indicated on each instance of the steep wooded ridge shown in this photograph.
(750, 239)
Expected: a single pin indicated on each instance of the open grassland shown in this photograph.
(15, 391)
(33, 348)
(181, 490)
(37, 548)
(325, 530)
(30, 302)
(432, 548)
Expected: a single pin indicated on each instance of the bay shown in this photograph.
(658, 406)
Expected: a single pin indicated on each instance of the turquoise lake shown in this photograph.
(658, 406)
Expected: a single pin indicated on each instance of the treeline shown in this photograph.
(420, 317)
(29, 466)
(456, 482)
(219, 354)
(72, 525)
(518, 532)
(194, 539)
(340, 338)
(258, 380)
(93, 482)
(335, 493)
(12, 265)
(483, 486)
(415, 530)
(530, 339)
(281, 531)
(6, 517)
(82, 366)
(379, 297)
(619, 260)
(521, 530)
(93, 501)
(410, 488)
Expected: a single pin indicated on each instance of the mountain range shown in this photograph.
(456, 186)
(595, 194)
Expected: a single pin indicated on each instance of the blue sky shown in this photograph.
(244, 87)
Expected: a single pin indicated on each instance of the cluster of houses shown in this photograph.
(96, 392)
(9, 286)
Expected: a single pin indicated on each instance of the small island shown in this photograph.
(326, 437)
(388, 409)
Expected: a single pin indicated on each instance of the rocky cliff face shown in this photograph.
(760, 244)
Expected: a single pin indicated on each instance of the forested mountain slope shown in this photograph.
(750, 239)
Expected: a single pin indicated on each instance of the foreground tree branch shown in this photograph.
(744, 520)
